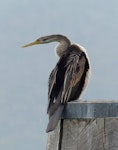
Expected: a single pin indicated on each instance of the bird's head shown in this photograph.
(44, 40)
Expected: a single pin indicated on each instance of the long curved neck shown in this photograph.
(62, 46)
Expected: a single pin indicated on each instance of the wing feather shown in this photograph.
(51, 85)
(75, 69)
(64, 77)
(55, 85)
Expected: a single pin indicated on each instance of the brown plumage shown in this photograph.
(69, 77)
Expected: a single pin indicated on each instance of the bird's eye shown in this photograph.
(44, 39)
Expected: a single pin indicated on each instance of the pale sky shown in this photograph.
(24, 72)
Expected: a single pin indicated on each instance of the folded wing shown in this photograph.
(64, 83)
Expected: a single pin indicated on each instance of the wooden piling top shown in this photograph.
(90, 109)
(86, 125)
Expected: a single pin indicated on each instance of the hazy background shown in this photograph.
(24, 72)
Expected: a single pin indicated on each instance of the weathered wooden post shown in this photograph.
(86, 125)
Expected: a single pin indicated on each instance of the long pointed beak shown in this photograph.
(31, 44)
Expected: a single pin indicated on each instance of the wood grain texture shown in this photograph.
(111, 134)
(83, 135)
(88, 134)
(53, 139)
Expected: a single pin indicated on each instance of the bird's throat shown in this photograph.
(62, 48)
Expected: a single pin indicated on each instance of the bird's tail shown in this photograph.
(54, 118)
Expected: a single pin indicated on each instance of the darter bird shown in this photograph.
(68, 79)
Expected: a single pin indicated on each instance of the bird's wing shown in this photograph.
(56, 81)
(52, 80)
(64, 77)
(75, 67)
(51, 87)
